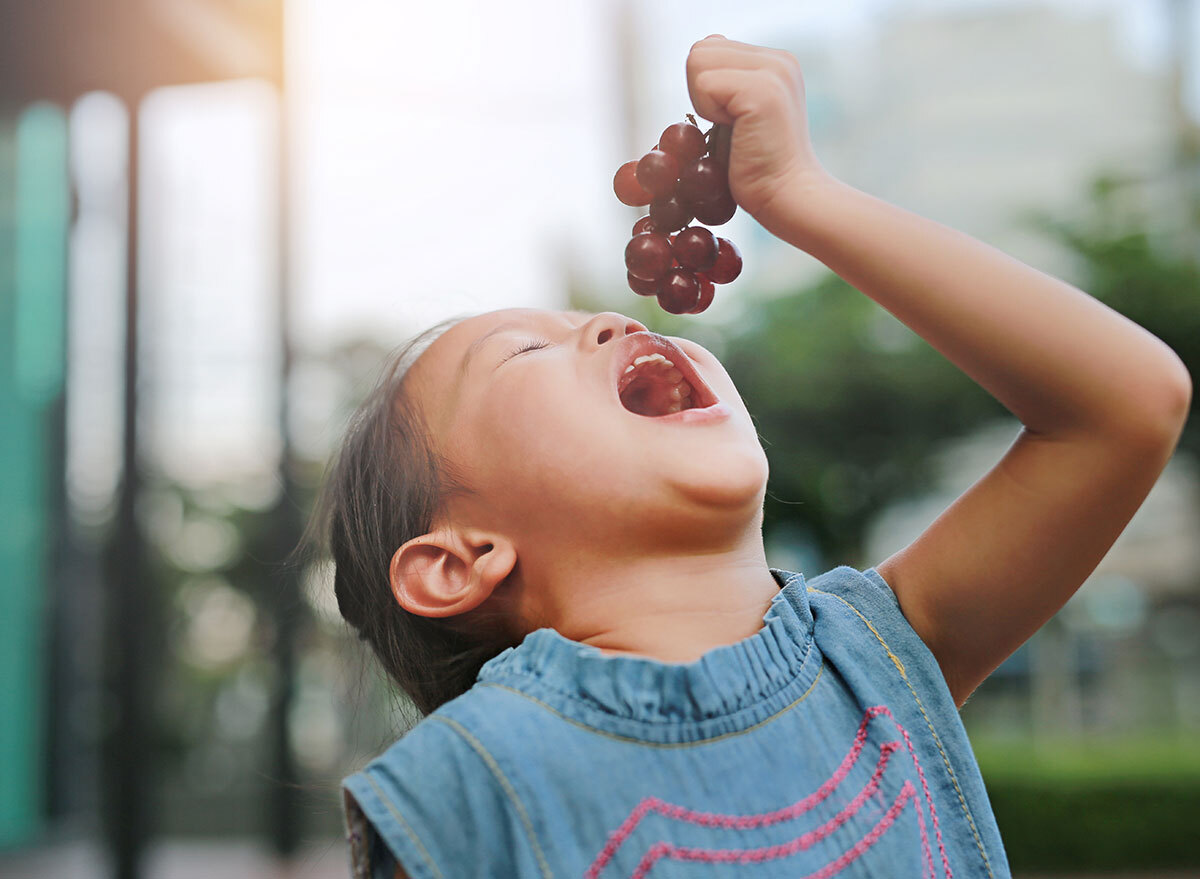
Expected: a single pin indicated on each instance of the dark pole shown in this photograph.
(127, 756)
(64, 560)
(1187, 137)
(285, 591)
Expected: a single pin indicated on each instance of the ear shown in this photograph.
(448, 572)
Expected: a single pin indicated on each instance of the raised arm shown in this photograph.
(1101, 400)
(1102, 403)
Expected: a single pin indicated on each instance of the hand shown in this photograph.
(760, 93)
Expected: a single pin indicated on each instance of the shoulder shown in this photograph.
(857, 610)
(447, 745)
(863, 587)
(861, 628)
(860, 599)
(436, 797)
(398, 800)
(431, 752)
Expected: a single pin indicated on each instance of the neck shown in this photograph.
(673, 609)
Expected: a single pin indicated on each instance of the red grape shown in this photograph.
(669, 214)
(703, 180)
(648, 256)
(729, 262)
(642, 288)
(643, 225)
(683, 176)
(714, 213)
(627, 188)
(720, 138)
(657, 172)
(696, 248)
(680, 291)
(706, 294)
(684, 141)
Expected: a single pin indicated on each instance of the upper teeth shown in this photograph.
(646, 358)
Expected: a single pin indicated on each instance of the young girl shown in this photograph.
(616, 684)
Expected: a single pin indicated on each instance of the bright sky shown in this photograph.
(457, 154)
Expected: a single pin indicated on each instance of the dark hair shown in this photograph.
(386, 485)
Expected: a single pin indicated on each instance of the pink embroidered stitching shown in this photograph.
(734, 821)
(799, 843)
(622, 833)
(937, 831)
(749, 856)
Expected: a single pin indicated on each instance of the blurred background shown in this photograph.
(217, 216)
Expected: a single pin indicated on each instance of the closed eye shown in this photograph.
(528, 346)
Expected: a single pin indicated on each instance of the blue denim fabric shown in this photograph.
(826, 744)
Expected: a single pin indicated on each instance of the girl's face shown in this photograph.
(559, 465)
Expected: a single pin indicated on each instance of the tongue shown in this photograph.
(653, 395)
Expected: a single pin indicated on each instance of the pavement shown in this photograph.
(176, 859)
(234, 859)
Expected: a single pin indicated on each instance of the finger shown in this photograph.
(719, 39)
(719, 56)
(725, 95)
(731, 56)
(718, 42)
(699, 90)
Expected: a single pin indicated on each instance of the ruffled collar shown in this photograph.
(580, 680)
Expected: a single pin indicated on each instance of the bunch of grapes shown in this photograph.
(683, 178)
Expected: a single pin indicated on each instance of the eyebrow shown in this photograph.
(474, 347)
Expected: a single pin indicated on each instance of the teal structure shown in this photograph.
(34, 221)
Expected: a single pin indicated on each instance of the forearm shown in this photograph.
(1057, 358)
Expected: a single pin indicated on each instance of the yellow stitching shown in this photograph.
(936, 739)
(631, 739)
(508, 788)
(412, 834)
(892, 656)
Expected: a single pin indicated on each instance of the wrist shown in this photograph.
(795, 206)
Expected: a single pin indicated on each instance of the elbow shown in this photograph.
(1185, 390)
(1164, 412)
(1178, 398)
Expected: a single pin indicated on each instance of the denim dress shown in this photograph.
(827, 744)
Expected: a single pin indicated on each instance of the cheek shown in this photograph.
(524, 421)
(538, 435)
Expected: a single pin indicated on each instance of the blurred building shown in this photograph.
(972, 116)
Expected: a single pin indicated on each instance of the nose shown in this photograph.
(608, 326)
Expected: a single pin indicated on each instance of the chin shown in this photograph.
(736, 479)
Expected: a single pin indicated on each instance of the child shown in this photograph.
(616, 684)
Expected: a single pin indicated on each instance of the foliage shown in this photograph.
(1073, 806)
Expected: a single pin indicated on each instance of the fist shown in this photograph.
(760, 93)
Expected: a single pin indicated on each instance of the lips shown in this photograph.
(642, 343)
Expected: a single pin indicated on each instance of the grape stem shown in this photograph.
(719, 142)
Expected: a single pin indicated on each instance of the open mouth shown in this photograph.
(660, 380)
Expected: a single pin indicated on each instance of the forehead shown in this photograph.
(476, 331)
(444, 365)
